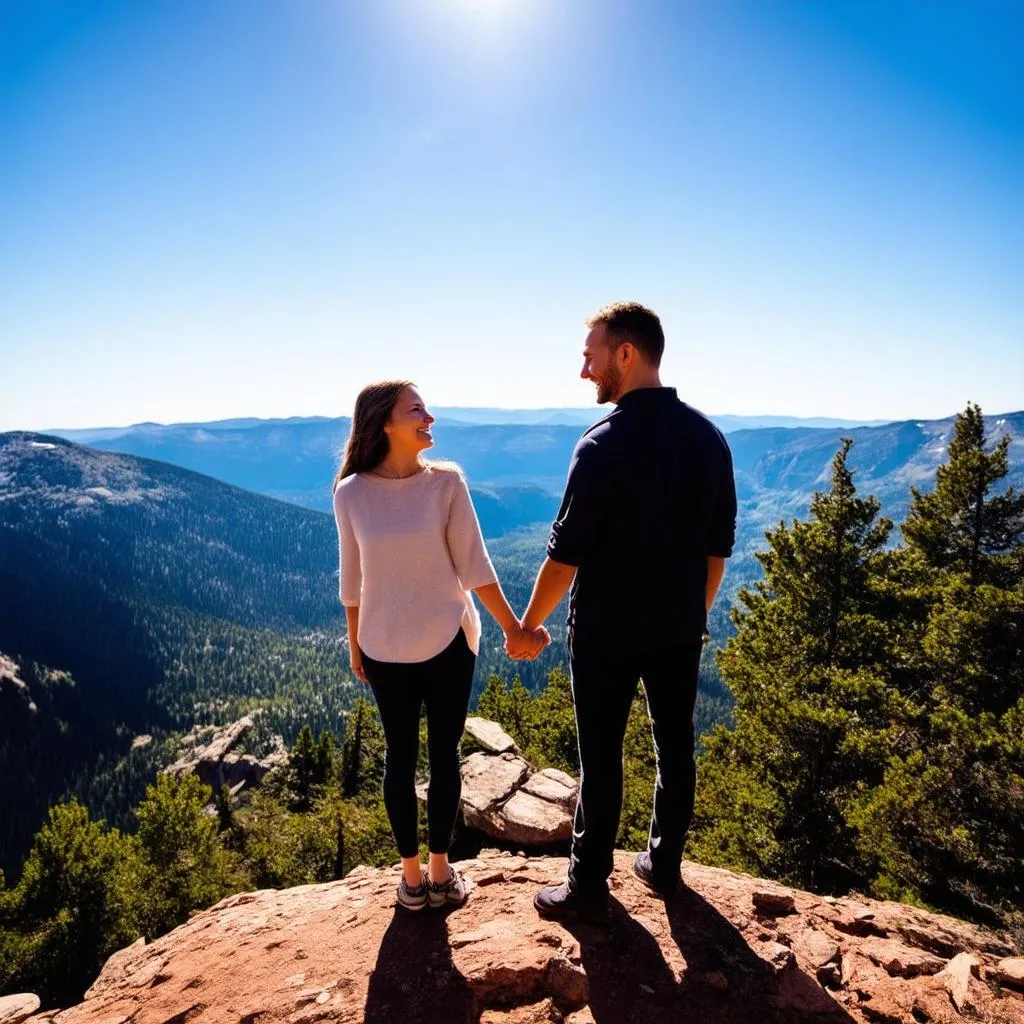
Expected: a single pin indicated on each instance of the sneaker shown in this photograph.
(451, 893)
(564, 902)
(644, 870)
(412, 897)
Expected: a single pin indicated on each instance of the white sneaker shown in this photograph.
(412, 898)
(452, 893)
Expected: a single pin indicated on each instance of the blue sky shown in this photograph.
(214, 208)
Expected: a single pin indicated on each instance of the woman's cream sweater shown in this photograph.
(411, 551)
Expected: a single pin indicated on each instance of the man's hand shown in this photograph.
(525, 644)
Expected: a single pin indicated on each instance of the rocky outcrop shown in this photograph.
(728, 949)
(490, 735)
(503, 797)
(15, 1009)
(12, 681)
(217, 763)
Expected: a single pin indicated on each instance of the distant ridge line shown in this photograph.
(466, 415)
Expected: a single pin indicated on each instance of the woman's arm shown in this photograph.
(354, 653)
(517, 642)
(475, 571)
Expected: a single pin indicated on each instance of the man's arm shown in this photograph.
(716, 570)
(549, 588)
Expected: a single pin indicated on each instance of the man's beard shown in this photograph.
(608, 386)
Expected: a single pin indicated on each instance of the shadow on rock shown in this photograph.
(414, 980)
(725, 981)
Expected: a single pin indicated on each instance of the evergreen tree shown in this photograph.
(947, 823)
(815, 712)
(492, 703)
(352, 750)
(225, 812)
(189, 868)
(302, 766)
(324, 767)
(362, 753)
(960, 526)
(76, 903)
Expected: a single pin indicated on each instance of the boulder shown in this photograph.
(503, 797)
(490, 736)
(553, 786)
(957, 977)
(529, 820)
(1010, 971)
(488, 780)
(14, 1009)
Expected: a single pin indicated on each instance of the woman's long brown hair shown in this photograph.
(367, 443)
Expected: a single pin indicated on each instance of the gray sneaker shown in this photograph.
(452, 893)
(412, 898)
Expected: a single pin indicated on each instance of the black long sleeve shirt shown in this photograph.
(650, 496)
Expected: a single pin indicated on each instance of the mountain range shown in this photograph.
(519, 468)
(141, 596)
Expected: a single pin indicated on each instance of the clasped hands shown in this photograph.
(525, 644)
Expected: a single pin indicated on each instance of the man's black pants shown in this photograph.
(605, 675)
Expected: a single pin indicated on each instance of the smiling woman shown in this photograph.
(412, 556)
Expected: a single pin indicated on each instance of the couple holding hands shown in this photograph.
(642, 534)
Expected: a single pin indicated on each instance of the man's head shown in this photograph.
(623, 350)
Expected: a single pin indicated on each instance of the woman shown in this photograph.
(411, 552)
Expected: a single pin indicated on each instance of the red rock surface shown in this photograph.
(728, 948)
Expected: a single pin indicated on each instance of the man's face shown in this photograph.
(600, 365)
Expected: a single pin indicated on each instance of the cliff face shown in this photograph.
(727, 948)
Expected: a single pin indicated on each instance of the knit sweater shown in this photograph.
(410, 551)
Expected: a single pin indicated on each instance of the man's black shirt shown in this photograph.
(650, 496)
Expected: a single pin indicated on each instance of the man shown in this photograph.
(646, 523)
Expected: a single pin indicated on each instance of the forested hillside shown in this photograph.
(139, 597)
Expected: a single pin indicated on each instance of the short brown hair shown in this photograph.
(629, 321)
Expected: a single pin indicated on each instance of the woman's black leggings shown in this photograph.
(443, 684)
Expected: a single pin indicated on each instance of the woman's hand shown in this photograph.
(524, 644)
(355, 656)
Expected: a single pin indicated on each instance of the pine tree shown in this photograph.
(324, 765)
(75, 904)
(960, 526)
(225, 812)
(352, 751)
(947, 822)
(492, 703)
(362, 753)
(189, 869)
(815, 711)
(302, 766)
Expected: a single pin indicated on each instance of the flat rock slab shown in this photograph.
(342, 952)
(527, 820)
(490, 735)
(554, 786)
(1010, 971)
(488, 780)
(14, 1009)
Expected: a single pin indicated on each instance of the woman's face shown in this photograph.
(408, 429)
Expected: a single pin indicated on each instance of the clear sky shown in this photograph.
(214, 208)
